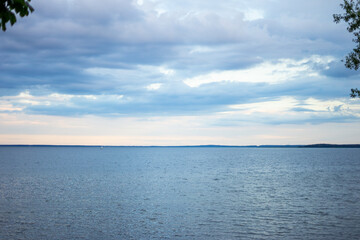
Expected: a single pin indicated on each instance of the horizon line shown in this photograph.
(316, 145)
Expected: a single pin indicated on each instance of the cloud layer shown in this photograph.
(266, 62)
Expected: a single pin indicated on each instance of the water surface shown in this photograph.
(179, 193)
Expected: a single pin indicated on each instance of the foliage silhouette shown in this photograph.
(10, 8)
(352, 18)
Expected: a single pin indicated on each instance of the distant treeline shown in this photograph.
(332, 146)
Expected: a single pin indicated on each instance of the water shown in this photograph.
(179, 193)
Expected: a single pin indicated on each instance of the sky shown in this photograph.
(178, 72)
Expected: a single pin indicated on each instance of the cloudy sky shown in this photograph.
(177, 72)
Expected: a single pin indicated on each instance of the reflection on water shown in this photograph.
(179, 193)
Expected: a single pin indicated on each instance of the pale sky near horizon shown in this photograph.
(161, 72)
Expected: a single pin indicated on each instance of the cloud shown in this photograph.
(227, 63)
(253, 14)
(260, 110)
(153, 86)
(52, 49)
(266, 72)
(289, 110)
(337, 69)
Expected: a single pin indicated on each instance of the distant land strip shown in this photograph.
(320, 145)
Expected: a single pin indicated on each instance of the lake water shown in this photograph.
(179, 193)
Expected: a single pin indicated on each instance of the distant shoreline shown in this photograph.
(321, 145)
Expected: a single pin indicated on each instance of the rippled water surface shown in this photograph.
(179, 193)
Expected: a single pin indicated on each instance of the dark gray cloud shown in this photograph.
(338, 70)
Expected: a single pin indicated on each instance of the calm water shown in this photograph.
(179, 193)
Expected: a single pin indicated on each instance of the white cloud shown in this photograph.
(253, 14)
(153, 86)
(290, 110)
(25, 99)
(166, 71)
(266, 72)
(281, 106)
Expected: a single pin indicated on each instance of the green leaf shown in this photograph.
(12, 19)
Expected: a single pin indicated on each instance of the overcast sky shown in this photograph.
(177, 72)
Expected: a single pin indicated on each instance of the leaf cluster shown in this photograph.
(355, 93)
(352, 18)
(10, 8)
